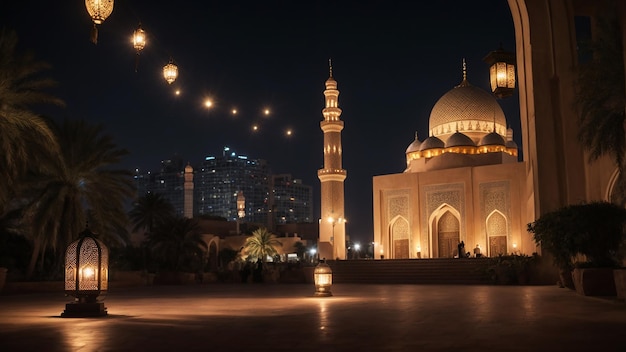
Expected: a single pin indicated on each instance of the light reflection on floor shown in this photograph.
(376, 317)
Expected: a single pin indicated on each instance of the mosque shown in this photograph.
(463, 183)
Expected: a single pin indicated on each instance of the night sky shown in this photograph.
(392, 60)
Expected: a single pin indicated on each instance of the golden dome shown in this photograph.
(468, 109)
(431, 142)
(458, 139)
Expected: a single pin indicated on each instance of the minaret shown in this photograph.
(188, 192)
(332, 238)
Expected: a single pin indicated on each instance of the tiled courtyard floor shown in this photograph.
(237, 317)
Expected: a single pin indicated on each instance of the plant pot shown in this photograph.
(594, 281)
(619, 275)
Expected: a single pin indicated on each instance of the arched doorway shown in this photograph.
(497, 233)
(399, 231)
(444, 232)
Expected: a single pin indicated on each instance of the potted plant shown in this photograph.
(551, 232)
(592, 231)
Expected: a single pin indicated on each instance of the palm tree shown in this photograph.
(23, 134)
(600, 100)
(78, 187)
(262, 244)
(149, 211)
(177, 245)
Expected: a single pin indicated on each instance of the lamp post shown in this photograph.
(501, 72)
(323, 276)
(356, 249)
(86, 276)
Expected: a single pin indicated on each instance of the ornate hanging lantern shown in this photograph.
(139, 39)
(99, 10)
(170, 72)
(501, 72)
(139, 42)
(323, 277)
(86, 276)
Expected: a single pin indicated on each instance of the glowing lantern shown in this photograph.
(139, 39)
(323, 277)
(501, 72)
(170, 72)
(139, 42)
(86, 276)
(99, 10)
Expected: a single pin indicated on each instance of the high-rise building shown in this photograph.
(212, 189)
(218, 179)
(291, 200)
(168, 182)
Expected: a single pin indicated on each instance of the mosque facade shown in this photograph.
(463, 183)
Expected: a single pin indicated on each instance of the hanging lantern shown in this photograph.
(170, 72)
(139, 42)
(99, 10)
(86, 276)
(323, 277)
(501, 72)
(139, 39)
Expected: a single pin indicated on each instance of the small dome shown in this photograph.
(492, 138)
(511, 144)
(458, 139)
(432, 142)
(188, 169)
(414, 146)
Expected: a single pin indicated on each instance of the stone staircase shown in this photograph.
(465, 271)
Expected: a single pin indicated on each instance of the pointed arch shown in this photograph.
(497, 231)
(399, 238)
(444, 231)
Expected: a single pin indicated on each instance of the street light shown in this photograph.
(357, 247)
(312, 252)
(323, 276)
(86, 276)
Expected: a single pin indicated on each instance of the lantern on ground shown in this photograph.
(501, 72)
(99, 10)
(86, 276)
(170, 72)
(323, 277)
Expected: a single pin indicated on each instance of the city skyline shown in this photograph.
(391, 62)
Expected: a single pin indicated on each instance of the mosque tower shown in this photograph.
(332, 237)
(188, 192)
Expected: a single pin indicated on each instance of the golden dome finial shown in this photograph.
(464, 70)
(330, 66)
